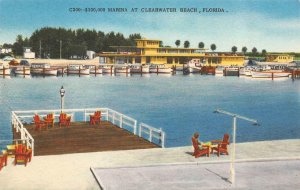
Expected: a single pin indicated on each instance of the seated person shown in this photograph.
(199, 143)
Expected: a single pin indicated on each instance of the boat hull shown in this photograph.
(50, 72)
(22, 71)
(78, 71)
(261, 74)
(161, 70)
(97, 71)
(5, 71)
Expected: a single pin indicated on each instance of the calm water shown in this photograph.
(178, 104)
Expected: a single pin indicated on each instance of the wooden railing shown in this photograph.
(118, 119)
(152, 133)
(25, 135)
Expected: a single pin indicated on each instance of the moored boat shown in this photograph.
(270, 74)
(94, 69)
(138, 68)
(193, 66)
(160, 68)
(21, 70)
(122, 69)
(219, 71)
(42, 69)
(77, 69)
(107, 69)
(5, 71)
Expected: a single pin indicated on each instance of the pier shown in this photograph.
(116, 131)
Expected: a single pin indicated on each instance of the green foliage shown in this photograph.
(213, 47)
(186, 44)
(201, 45)
(177, 43)
(74, 42)
(234, 49)
(244, 50)
(254, 50)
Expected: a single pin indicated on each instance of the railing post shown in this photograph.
(113, 119)
(121, 121)
(134, 130)
(162, 139)
(84, 115)
(140, 130)
(150, 135)
(107, 115)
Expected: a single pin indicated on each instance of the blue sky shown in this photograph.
(273, 25)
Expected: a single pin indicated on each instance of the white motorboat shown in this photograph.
(94, 69)
(107, 69)
(219, 71)
(122, 69)
(160, 68)
(77, 69)
(21, 70)
(42, 69)
(270, 74)
(138, 68)
(5, 71)
(194, 66)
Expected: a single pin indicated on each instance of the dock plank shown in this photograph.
(81, 137)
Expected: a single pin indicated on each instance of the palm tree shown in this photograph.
(244, 50)
(234, 49)
(213, 47)
(264, 52)
(201, 45)
(186, 44)
(254, 50)
(177, 43)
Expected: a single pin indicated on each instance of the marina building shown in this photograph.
(279, 58)
(148, 51)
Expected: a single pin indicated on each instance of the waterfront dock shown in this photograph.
(81, 137)
(174, 168)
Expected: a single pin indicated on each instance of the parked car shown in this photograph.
(24, 62)
(14, 62)
(8, 58)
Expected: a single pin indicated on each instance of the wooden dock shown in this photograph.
(81, 137)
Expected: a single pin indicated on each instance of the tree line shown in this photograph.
(234, 49)
(49, 42)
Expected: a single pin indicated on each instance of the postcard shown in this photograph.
(149, 94)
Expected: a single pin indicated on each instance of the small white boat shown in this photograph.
(270, 74)
(77, 69)
(42, 69)
(5, 71)
(193, 66)
(107, 69)
(122, 69)
(138, 68)
(22, 70)
(94, 69)
(160, 68)
(219, 71)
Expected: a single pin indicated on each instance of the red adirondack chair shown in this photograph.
(22, 154)
(39, 123)
(64, 120)
(49, 120)
(3, 159)
(197, 151)
(221, 145)
(96, 118)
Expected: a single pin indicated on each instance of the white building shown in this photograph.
(28, 54)
(90, 54)
(5, 50)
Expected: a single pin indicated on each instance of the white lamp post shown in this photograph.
(62, 94)
(235, 116)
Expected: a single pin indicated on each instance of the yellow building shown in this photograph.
(149, 51)
(279, 58)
